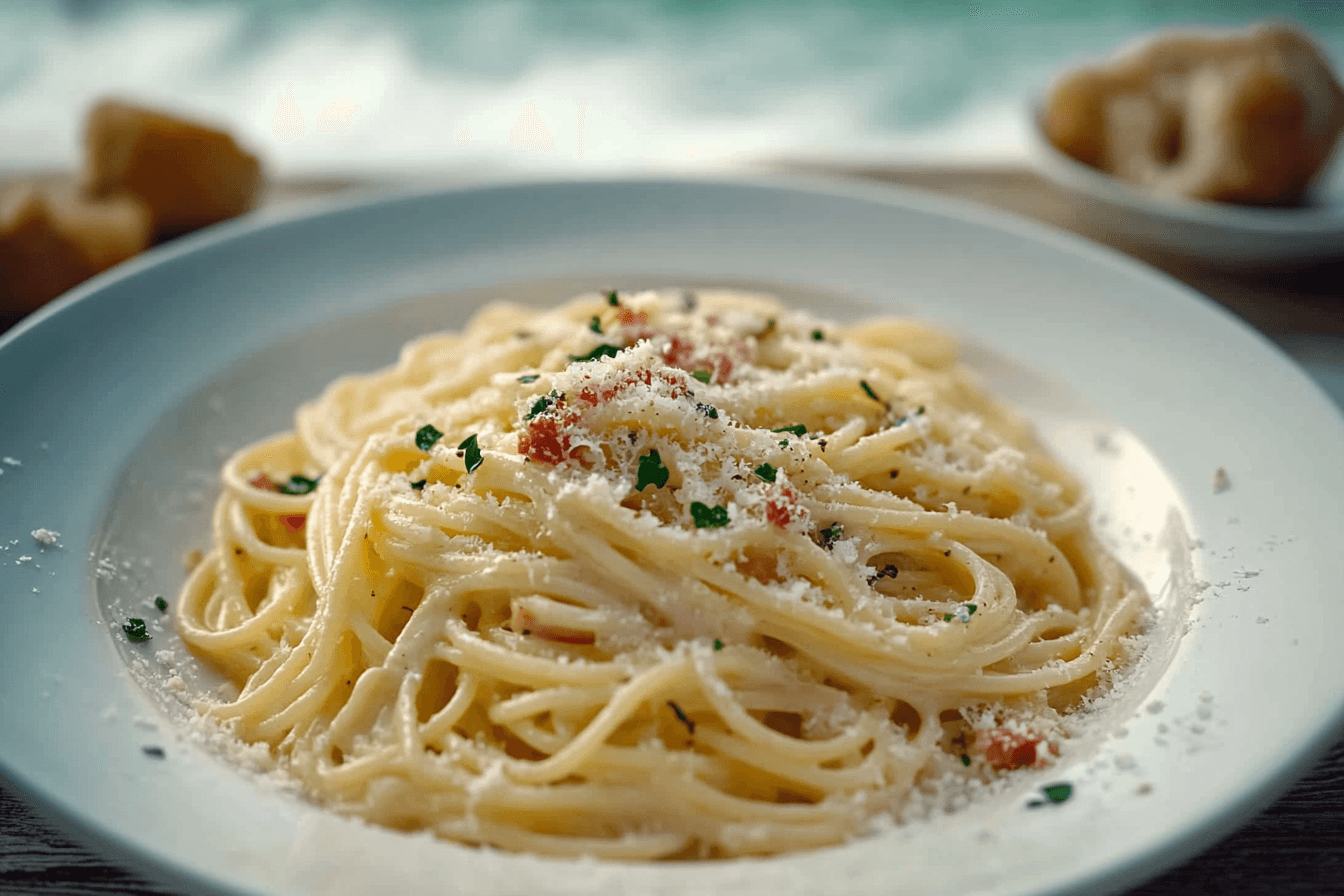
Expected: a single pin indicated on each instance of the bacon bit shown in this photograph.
(543, 442)
(293, 522)
(628, 318)
(1005, 750)
(263, 482)
(679, 352)
(722, 365)
(592, 397)
(782, 509)
(525, 623)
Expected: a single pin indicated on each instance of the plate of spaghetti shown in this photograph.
(659, 536)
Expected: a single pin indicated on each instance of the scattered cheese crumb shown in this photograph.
(1221, 482)
(45, 537)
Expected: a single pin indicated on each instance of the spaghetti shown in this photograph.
(655, 574)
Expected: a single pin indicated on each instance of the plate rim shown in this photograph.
(890, 195)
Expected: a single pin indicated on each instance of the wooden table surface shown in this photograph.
(1295, 846)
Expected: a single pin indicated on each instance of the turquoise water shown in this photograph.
(410, 84)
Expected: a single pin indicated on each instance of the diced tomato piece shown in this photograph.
(293, 522)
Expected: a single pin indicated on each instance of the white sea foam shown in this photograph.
(630, 86)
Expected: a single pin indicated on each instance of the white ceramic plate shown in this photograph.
(1219, 232)
(120, 399)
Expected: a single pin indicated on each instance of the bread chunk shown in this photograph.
(1248, 117)
(188, 174)
(52, 239)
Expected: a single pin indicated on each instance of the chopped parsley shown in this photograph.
(595, 324)
(709, 410)
(161, 604)
(703, 376)
(797, 429)
(602, 351)
(707, 517)
(419, 485)
(817, 335)
(135, 630)
(542, 403)
(298, 485)
(869, 391)
(471, 451)
(1055, 793)
(718, 645)
(962, 614)
(965, 760)
(426, 436)
(651, 471)
(612, 300)
(682, 717)
(831, 534)
(766, 472)
(1058, 793)
(529, 378)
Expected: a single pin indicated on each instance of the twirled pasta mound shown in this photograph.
(654, 575)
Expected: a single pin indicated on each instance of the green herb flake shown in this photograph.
(651, 472)
(709, 410)
(703, 376)
(602, 351)
(970, 609)
(707, 517)
(965, 760)
(161, 604)
(426, 436)
(135, 630)
(529, 378)
(817, 335)
(1058, 793)
(471, 451)
(419, 485)
(919, 410)
(298, 485)
(682, 717)
(869, 391)
(540, 405)
(797, 429)
(612, 299)
(718, 645)
(595, 324)
(766, 472)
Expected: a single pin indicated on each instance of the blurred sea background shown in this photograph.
(323, 87)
